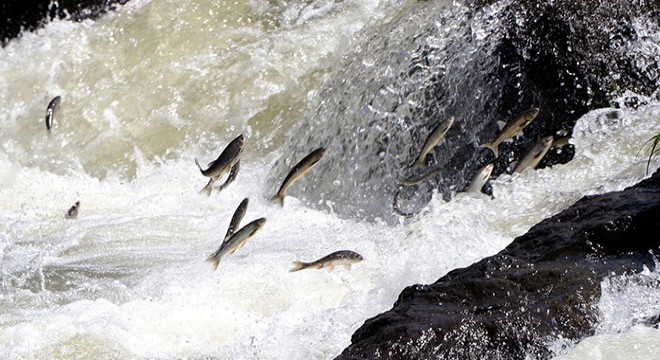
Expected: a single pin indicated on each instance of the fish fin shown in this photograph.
(205, 190)
(330, 267)
(347, 266)
(297, 265)
(211, 163)
(199, 166)
(208, 188)
(500, 124)
(491, 147)
(213, 260)
(279, 198)
(518, 134)
(420, 161)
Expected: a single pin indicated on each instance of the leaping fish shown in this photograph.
(561, 138)
(337, 258)
(480, 178)
(236, 241)
(419, 178)
(435, 138)
(233, 172)
(53, 105)
(227, 159)
(236, 219)
(298, 171)
(535, 154)
(72, 213)
(512, 128)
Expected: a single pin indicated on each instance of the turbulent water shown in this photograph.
(148, 89)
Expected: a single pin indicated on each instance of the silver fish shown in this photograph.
(227, 159)
(418, 179)
(561, 138)
(337, 258)
(232, 176)
(298, 171)
(535, 154)
(480, 179)
(53, 105)
(236, 241)
(72, 213)
(435, 138)
(512, 128)
(236, 219)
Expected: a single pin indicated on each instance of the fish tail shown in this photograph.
(492, 147)
(279, 198)
(208, 188)
(213, 260)
(198, 165)
(297, 265)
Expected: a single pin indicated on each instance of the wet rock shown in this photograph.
(570, 57)
(544, 286)
(29, 15)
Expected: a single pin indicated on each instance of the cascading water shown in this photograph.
(148, 89)
(433, 61)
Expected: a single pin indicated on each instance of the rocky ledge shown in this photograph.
(32, 14)
(544, 286)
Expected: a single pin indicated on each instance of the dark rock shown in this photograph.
(570, 57)
(28, 15)
(542, 287)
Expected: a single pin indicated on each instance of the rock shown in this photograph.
(570, 57)
(29, 15)
(544, 286)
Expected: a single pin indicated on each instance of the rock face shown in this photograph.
(31, 14)
(542, 287)
(570, 57)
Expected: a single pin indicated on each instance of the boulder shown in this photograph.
(543, 287)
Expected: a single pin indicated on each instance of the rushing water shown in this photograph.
(150, 88)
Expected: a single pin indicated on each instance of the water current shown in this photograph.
(150, 88)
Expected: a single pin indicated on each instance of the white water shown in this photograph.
(127, 279)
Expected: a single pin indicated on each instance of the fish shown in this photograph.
(218, 167)
(435, 138)
(534, 155)
(561, 138)
(53, 105)
(236, 219)
(419, 178)
(298, 171)
(233, 172)
(512, 128)
(480, 178)
(337, 258)
(72, 213)
(236, 241)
